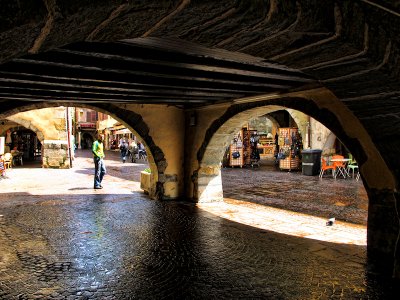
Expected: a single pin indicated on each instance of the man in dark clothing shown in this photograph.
(124, 149)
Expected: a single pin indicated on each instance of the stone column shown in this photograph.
(383, 232)
(79, 140)
(209, 184)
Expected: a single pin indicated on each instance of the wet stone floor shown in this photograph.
(60, 239)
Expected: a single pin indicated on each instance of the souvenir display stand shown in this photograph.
(247, 146)
(266, 146)
(287, 142)
(236, 157)
(255, 153)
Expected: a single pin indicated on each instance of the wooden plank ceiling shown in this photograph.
(144, 70)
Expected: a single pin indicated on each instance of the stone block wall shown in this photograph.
(55, 154)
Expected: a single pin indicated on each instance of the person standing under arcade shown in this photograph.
(98, 157)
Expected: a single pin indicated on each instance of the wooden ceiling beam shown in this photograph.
(38, 98)
(115, 84)
(95, 95)
(70, 71)
(43, 85)
(168, 66)
(171, 50)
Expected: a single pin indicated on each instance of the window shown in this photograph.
(91, 116)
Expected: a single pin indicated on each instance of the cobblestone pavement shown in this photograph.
(60, 239)
(344, 199)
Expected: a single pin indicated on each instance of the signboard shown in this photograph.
(2, 141)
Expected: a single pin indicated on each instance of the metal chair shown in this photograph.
(340, 166)
(325, 167)
(352, 165)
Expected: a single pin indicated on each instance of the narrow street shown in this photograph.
(61, 239)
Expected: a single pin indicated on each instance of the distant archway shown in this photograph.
(133, 121)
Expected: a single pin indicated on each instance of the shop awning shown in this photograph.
(123, 131)
(87, 125)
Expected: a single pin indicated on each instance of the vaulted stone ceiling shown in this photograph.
(350, 47)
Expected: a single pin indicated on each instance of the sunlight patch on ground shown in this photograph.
(287, 222)
(63, 181)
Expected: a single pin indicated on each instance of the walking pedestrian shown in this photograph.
(133, 151)
(141, 151)
(123, 147)
(98, 157)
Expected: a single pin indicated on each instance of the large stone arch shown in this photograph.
(131, 120)
(322, 106)
(379, 180)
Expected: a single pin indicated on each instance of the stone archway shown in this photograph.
(132, 121)
(338, 119)
(209, 183)
(323, 107)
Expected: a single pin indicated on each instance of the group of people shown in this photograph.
(133, 150)
(126, 150)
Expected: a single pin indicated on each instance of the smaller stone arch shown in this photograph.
(130, 119)
(26, 124)
(208, 175)
(207, 179)
(319, 104)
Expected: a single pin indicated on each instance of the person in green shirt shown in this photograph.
(98, 157)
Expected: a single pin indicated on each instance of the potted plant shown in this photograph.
(145, 180)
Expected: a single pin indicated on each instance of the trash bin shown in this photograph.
(311, 161)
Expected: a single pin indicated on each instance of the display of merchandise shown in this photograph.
(290, 146)
(236, 157)
(243, 150)
(266, 146)
(254, 154)
(248, 148)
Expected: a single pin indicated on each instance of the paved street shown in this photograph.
(60, 239)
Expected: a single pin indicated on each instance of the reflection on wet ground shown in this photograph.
(117, 244)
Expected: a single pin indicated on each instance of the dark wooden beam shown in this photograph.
(114, 84)
(67, 87)
(88, 99)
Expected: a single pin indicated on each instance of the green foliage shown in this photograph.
(147, 170)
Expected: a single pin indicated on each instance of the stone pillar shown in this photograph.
(55, 154)
(79, 140)
(209, 183)
(165, 127)
(383, 232)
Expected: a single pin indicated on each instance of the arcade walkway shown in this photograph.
(60, 239)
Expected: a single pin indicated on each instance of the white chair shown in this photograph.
(8, 160)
